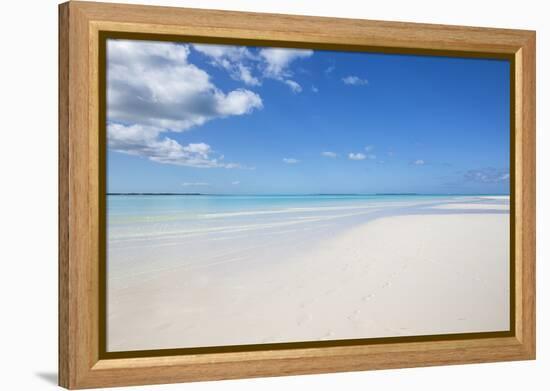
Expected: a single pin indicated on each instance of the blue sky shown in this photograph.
(246, 120)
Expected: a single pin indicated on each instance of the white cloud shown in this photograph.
(290, 160)
(295, 87)
(145, 53)
(419, 162)
(238, 102)
(241, 63)
(369, 148)
(220, 52)
(232, 59)
(147, 142)
(329, 69)
(245, 75)
(487, 175)
(236, 183)
(355, 81)
(314, 89)
(356, 156)
(153, 89)
(186, 184)
(277, 60)
(153, 84)
(329, 154)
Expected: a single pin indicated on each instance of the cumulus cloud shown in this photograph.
(329, 154)
(236, 183)
(220, 52)
(147, 142)
(152, 83)
(244, 74)
(355, 81)
(487, 175)
(356, 156)
(288, 160)
(277, 60)
(233, 59)
(295, 87)
(249, 67)
(152, 89)
(418, 162)
(314, 89)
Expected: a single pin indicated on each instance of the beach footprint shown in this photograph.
(303, 318)
(368, 297)
(328, 292)
(354, 315)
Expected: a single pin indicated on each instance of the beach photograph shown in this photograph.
(263, 195)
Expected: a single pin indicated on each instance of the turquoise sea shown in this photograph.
(139, 225)
(137, 215)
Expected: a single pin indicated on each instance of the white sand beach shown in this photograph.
(442, 268)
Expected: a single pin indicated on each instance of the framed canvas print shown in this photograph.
(251, 195)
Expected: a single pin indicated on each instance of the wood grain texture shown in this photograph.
(63, 221)
(527, 187)
(77, 292)
(79, 204)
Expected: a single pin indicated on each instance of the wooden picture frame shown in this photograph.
(82, 360)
